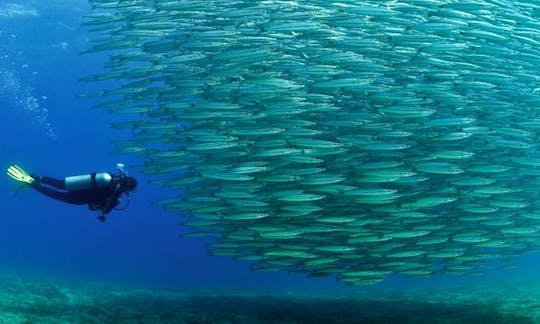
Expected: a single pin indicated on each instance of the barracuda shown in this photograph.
(352, 139)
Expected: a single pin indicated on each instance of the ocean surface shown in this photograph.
(58, 264)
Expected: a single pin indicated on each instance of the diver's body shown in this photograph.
(100, 191)
(98, 198)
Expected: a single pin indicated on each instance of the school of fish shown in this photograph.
(353, 139)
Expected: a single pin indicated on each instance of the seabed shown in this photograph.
(45, 300)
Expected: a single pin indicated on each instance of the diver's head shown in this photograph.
(128, 184)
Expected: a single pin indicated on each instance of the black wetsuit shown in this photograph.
(102, 198)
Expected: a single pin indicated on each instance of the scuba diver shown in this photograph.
(101, 191)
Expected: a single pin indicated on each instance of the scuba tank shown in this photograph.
(88, 181)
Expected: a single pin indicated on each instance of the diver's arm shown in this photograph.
(112, 202)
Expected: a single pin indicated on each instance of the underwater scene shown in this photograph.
(248, 161)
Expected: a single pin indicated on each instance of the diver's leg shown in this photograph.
(53, 182)
(65, 196)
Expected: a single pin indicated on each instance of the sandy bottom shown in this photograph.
(24, 300)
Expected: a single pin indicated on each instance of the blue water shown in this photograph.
(61, 135)
(49, 131)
